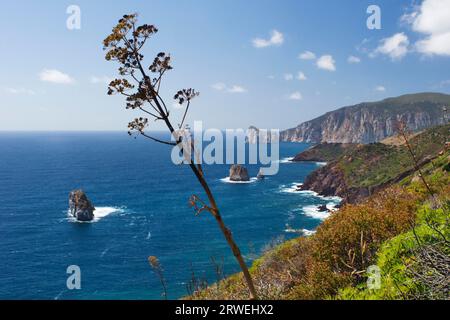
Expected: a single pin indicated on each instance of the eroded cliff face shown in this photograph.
(372, 122)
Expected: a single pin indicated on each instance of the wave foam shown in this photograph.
(292, 188)
(99, 213)
(304, 232)
(314, 212)
(321, 164)
(227, 180)
(286, 160)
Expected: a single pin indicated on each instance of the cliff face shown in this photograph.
(372, 122)
(358, 171)
(253, 135)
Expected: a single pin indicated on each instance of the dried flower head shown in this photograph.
(185, 95)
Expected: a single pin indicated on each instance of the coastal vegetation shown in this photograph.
(401, 230)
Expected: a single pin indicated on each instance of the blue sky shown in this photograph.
(243, 57)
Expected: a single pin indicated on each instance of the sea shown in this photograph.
(142, 210)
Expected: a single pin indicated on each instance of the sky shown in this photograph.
(271, 64)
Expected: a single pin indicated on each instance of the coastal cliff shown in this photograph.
(372, 121)
(359, 171)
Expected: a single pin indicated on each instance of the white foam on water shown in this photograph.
(227, 180)
(309, 193)
(314, 212)
(292, 188)
(304, 232)
(99, 213)
(321, 164)
(286, 160)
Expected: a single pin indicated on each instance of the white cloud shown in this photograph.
(236, 89)
(101, 79)
(380, 89)
(396, 47)
(55, 76)
(276, 39)
(307, 55)
(353, 59)
(288, 76)
(301, 76)
(326, 62)
(432, 18)
(19, 91)
(297, 96)
(220, 86)
(271, 77)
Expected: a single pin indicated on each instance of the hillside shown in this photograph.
(324, 152)
(361, 170)
(372, 121)
(401, 230)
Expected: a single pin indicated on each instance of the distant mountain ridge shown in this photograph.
(370, 122)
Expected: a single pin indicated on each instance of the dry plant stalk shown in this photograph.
(124, 45)
(402, 130)
(156, 266)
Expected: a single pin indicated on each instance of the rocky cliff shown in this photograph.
(255, 135)
(361, 170)
(372, 121)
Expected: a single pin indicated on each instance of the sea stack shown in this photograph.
(239, 173)
(80, 207)
(260, 175)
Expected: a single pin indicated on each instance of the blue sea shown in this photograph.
(142, 210)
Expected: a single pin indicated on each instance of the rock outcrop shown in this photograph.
(260, 175)
(80, 207)
(372, 121)
(323, 208)
(253, 135)
(239, 173)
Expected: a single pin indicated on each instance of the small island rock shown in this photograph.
(80, 207)
(239, 173)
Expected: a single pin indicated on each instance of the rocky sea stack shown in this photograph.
(80, 207)
(239, 173)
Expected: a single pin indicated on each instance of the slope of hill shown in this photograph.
(324, 152)
(362, 170)
(372, 121)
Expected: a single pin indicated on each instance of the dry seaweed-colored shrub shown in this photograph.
(336, 256)
(346, 243)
